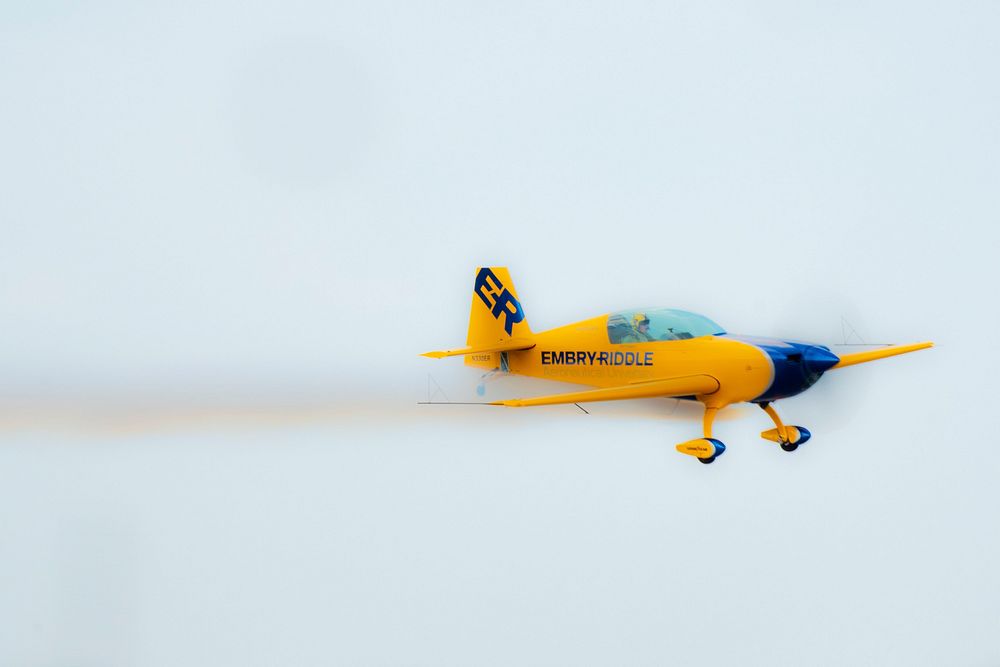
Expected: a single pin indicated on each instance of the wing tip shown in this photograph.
(883, 353)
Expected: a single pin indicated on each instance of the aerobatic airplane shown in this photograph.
(648, 353)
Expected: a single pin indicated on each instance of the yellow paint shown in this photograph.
(700, 448)
(717, 371)
(682, 386)
(781, 431)
(791, 435)
(706, 422)
(741, 371)
(500, 346)
(485, 330)
(882, 353)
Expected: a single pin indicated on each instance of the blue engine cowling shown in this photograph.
(797, 366)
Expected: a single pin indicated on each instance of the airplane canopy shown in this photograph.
(627, 326)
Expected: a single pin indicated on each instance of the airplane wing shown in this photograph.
(508, 345)
(872, 355)
(688, 385)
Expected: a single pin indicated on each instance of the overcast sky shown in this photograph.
(251, 218)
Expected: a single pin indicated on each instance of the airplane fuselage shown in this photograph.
(747, 368)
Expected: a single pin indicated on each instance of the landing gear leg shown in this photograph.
(789, 437)
(773, 414)
(708, 420)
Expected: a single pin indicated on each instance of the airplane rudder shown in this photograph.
(496, 313)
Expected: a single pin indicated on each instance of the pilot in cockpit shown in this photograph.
(640, 330)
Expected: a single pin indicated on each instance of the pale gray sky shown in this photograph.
(272, 208)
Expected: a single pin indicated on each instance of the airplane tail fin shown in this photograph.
(497, 324)
(496, 316)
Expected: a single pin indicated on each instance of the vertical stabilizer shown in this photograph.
(496, 315)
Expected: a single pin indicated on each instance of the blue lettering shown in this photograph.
(498, 299)
(487, 287)
(511, 308)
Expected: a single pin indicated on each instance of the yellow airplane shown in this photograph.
(647, 353)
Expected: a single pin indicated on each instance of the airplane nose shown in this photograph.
(797, 366)
(819, 359)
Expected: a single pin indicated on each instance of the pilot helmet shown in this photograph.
(639, 318)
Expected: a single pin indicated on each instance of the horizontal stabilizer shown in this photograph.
(882, 353)
(690, 385)
(509, 345)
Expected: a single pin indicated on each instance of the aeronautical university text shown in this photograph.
(571, 358)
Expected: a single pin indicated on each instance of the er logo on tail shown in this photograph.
(498, 299)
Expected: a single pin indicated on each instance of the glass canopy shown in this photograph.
(642, 325)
